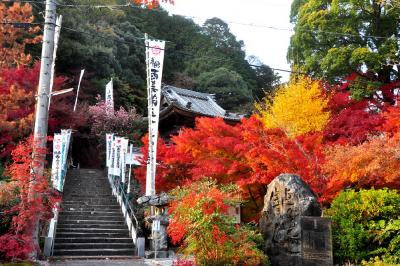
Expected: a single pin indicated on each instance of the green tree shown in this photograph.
(334, 38)
(109, 43)
(230, 89)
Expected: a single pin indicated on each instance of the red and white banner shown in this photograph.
(124, 150)
(56, 167)
(109, 140)
(154, 63)
(116, 160)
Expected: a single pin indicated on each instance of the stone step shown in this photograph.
(90, 222)
(91, 234)
(79, 193)
(94, 240)
(93, 252)
(93, 230)
(90, 208)
(94, 201)
(89, 197)
(91, 213)
(111, 258)
(80, 204)
(100, 188)
(105, 225)
(94, 195)
(63, 219)
(94, 245)
(92, 182)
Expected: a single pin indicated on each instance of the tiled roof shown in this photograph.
(196, 102)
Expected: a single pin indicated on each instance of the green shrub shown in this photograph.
(366, 226)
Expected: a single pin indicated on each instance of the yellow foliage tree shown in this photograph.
(297, 108)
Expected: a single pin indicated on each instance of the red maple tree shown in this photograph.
(247, 154)
(17, 102)
(35, 202)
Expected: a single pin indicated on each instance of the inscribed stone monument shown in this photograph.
(316, 244)
(288, 198)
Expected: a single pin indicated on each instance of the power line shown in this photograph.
(230, 21)
(131, 5)
(192, 55)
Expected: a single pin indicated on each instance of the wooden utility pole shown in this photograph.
(42, 103)
(42, 110)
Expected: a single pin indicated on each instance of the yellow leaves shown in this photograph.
(297, 108)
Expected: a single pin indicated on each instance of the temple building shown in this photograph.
(180, 107)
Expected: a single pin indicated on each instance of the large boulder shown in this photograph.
(288, 197)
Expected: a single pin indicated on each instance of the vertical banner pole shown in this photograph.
(53, 65)
(130, 167)
(77, 91)
(154, 64)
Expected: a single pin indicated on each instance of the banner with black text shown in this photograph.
(154, 63)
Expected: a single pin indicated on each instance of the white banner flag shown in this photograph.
(109, 139)
(57, 163)
(112, 158)
(109, 96)
(155, 60)
(124, 150)
(66, 138)
(117, 156)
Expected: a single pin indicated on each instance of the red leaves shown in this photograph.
(353, 126)
(251, 155)
(15, 246)
(246, 154)
(200, 222)
(36, 200)
(392, 119)
(176, 231)
(17, 102)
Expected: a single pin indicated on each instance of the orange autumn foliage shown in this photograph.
(374, 163)
(246, 154)
(11, 104)
(152, 3)
(14, 38)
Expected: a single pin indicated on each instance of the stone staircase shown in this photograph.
(90, 222)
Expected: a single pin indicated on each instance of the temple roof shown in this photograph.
(196, 103)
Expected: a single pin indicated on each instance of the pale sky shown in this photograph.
(270, 45)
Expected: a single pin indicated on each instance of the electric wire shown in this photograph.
(119, 40)
(131, 5)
